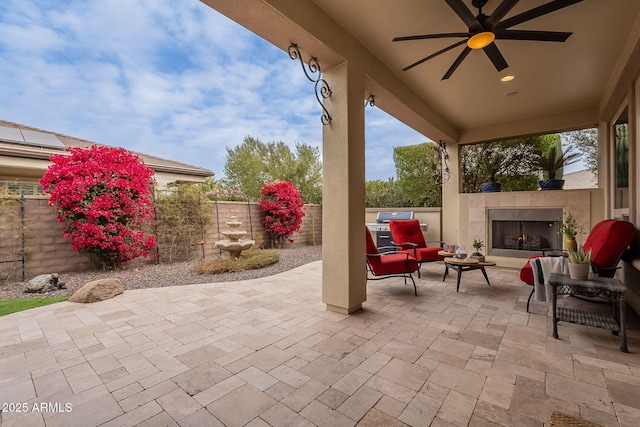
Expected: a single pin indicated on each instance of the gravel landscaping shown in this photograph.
(177, 274)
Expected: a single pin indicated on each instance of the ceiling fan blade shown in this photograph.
(457, 63)
(540, 36)
(495, 56)
(431, 36)
(500, 12)
(465, 14)
(434, 55)
(535, 13)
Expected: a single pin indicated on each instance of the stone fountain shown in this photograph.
(233, 244)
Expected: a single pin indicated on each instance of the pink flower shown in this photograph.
(281, 209)
(103, 195)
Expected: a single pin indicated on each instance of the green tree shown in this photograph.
(182, 217)
(416, 169)
(384, 194)
(509, 162)
(586, 140)
(252, 164)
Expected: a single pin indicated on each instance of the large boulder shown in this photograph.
(98, 290)
(44, 283)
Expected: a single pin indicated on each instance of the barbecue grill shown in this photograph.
(382, 230)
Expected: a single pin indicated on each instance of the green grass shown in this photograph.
(15, 305)
(249, 260)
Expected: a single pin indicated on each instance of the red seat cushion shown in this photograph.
(394, 264)
(426, 254)
(526, 273)
(371, 248)
(407, 231)
(608, 240)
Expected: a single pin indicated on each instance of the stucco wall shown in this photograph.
(47, 251)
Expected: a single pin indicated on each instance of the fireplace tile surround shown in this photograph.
(586, 206)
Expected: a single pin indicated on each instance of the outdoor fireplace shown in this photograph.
(521, 233)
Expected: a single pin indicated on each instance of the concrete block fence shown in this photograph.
(47, 251)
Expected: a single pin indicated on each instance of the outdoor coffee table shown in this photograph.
(610, 289)
(462, 265)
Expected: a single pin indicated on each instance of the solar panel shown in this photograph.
(30, 137)
(10, 134)
(42, 139)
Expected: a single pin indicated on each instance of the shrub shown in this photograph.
(103, 195)
(249, 260)
(281, 209)
(182, 217)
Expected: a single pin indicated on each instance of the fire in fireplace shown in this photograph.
(521, 233)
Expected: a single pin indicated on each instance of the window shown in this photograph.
(621, 157)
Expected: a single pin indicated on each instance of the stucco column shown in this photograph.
(343, 216)
(450, 190)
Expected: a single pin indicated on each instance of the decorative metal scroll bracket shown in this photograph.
(370, 101)
(444, 174)
(313, 72)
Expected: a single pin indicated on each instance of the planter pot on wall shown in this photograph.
(579, 271)
(490, 187)
(551, 184)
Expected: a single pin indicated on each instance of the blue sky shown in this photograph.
(171, 78)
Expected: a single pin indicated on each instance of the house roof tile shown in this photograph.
(157, 164)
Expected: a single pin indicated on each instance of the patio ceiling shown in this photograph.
(549, 77)
(552, 80)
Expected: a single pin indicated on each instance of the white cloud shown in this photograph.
(382, 134)
(171, 78)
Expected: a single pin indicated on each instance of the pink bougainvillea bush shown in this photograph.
(104, 197)
(281, 209)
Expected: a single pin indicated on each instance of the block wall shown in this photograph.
(47, 251)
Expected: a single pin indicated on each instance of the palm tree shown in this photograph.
(551, 162)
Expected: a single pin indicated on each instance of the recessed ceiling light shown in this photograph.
(514, 93)
(507, 78)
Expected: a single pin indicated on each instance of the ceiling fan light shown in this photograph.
(481, 40)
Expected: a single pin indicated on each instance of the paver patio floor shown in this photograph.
(266, 352)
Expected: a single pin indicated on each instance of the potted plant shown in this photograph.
(494, 162)
(477, 245)
(551, 163)
(579, 263)
(570, 228)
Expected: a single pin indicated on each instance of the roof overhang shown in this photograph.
(557, 86)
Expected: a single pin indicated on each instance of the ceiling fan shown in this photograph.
(483, 30)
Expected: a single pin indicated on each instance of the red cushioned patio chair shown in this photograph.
(407, 234)
(607, 242)
(389, 264)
